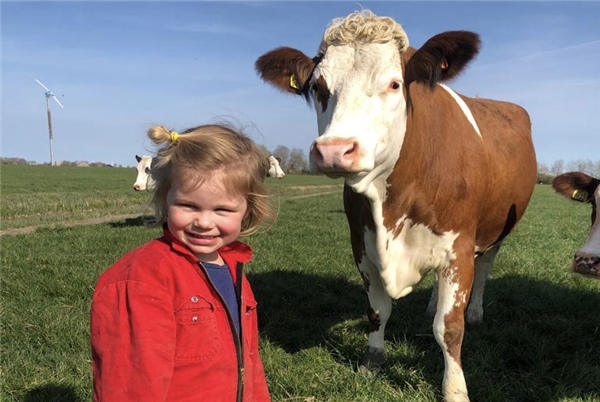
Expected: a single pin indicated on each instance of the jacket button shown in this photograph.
(194, 319)
(194, 299)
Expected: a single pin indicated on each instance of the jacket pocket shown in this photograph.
(197, 332)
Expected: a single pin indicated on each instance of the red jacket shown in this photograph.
(160, 330)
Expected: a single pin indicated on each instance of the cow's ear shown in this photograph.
(286, 68)
(576, 185)
(442, 57)
(138, 158)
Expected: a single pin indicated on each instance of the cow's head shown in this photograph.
(359, 83)
(275, 168)
(143, 181)
(581, 187)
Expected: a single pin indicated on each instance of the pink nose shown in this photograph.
(335, 155)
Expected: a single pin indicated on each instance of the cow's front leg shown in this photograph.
(378, 312)
(449, 324)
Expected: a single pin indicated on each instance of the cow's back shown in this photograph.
(450, 177)
(510, 168)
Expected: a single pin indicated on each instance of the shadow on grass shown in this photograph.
(296, 309)
(538, 341)
(129, 222)
(52, 393)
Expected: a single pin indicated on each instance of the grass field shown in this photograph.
(540, 339)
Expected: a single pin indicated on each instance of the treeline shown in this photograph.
(295, 162)
(547, 173)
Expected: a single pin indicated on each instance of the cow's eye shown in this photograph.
(395, 85)
(314, 87)
(148, 170)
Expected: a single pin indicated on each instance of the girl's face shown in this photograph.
(205, 218)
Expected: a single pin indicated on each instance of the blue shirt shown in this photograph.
(220, 275)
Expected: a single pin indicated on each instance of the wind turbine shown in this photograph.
(49, 95)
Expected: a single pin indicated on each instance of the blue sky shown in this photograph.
(120, 67)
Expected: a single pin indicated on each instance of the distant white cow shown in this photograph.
(144, 167)
(144, 180)
(275, 169)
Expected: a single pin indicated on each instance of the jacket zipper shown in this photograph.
(237, 339)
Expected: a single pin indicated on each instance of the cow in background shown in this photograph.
(275, 168)
(433, 179)
(144, 180)
(581, 187)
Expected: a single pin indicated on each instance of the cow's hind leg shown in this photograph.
(483, 266)
(378, 313)
(432, 306)
(449, 324)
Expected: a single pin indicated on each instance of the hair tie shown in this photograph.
(173, 136)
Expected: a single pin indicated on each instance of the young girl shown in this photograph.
(175, 319)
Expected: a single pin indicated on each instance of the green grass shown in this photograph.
(538, 341)
(47, 196)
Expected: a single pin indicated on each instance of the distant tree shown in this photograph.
(583, 165)
(557, 167)
(283, 153)
(596, 171)
(13, 161)
(297, 161)
(542, 168)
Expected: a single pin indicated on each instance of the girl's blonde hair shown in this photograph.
(198, 153)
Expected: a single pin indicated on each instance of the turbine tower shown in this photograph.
(49, 95)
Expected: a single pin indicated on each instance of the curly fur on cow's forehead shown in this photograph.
(364, 27)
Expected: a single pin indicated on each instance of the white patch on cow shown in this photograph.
(592, 245)
(463, 106)
(406, 253)
(455, 387)
(361, 108)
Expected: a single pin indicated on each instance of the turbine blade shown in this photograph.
(43, 86)
(59, 104)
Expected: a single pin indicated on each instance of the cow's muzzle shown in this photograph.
(335, 155)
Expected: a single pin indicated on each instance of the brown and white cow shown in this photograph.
(584, 188)
(433, 179)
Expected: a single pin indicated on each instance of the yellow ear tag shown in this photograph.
(580, 195)
(294, 82)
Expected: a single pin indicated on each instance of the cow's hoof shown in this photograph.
(373, 360)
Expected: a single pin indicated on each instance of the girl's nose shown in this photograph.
(203, 221)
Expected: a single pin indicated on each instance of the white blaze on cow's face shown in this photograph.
(362, 121)
(587, 258)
